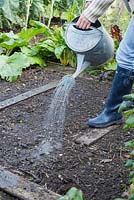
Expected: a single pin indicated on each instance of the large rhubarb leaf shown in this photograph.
(11, 66)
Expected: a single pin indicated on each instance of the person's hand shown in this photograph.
(83, 23)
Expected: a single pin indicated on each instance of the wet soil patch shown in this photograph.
(98, 169)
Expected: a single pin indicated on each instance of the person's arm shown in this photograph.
(87, 3)
(94, 10)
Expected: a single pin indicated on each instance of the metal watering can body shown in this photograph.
(94, 47)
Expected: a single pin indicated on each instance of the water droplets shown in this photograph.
(55, 117)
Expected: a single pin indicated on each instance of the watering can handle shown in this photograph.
(91, 28)
(74, 25)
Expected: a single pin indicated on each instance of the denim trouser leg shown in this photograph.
(125, 53)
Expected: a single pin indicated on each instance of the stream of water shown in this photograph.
(55, 117)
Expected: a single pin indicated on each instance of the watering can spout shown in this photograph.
(82, 64)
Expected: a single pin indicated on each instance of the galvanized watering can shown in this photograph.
(93, 46)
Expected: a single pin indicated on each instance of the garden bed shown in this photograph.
(97, 169)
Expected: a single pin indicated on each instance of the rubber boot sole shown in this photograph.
(117, 122)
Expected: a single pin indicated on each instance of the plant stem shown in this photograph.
(29, 3)
(8, 53)
(51, 12)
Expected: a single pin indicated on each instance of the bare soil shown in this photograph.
(98, 169)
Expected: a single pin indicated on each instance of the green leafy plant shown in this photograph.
(11, 66)
(9, 13)
(54, 45)
(73, 194)
(51, 12)
(127, 107)
(19, 12)
(17, 53)
(15, 47)
(130, 165)
(31, 9)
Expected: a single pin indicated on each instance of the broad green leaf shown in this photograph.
(19, 40)
(26, 50)
(40, 25)
(24, 60)
(3, 37)
(129, 113)
(47, 44)
(11, 67)
(71, 12)
(131, 181)
(126, 127)
(126, 105)
(132, 153)
(129, 97)
(76, 194)
(130, 121)
(37, 24)
(131, 197)
(10, 9)
(131, 174)
(73, 194)
(129, 163)
(11, 35)
(11, 44)
(58, 36)
(11, 40)
(72, 58)
(130, 144)
(65, 57)
(120, 199)
(111, 65)
(38, 60)
(7, 36)
(30, 50)
(9, 71)
(59, 50)
(28, 34)
(38, 8)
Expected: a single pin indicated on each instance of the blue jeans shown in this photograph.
(125, 53)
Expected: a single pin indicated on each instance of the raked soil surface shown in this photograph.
(97, 169)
